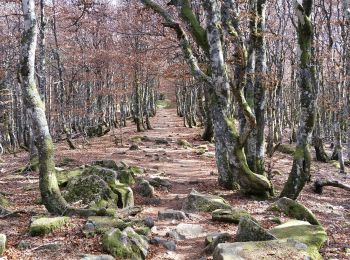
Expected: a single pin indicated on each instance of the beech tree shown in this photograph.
(222, 23)
(300, 172)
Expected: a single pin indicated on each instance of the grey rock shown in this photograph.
(149, 222)
(196, 201)
(212, 240)
(49, 247)
(159, 182)
(145, 189)
(189, 230)
(134, 147)
(170, 245)
(174, 235)
(110, 164)
(23, 245)
(171, 214)
(249, 230)
(232, 215)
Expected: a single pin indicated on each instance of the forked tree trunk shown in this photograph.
(300, 172)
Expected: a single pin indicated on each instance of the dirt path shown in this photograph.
(186, 169)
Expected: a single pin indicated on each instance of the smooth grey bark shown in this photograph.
(300, 172)
(230, 157)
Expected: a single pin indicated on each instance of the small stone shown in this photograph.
(23, 245)
(174, 235)
(170, 245)
(149, 222)
(134, 147)
(48, 247)
(171, 214)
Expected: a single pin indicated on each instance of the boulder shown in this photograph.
(272, 250)
(110, 164)
(249, 230)
(126, 176)
(159, 182)
(126, 244)
(2, 244)
(101, 224)
(106, 174)
(171, 214)
(295, 210)
(196, 201)
(189, 230)
(145, 189)
(314, 236)
(125, 194)
(232, 215)
(46, 225)
(295, 240)
(91, 190)
(63, 177)
(212, 240)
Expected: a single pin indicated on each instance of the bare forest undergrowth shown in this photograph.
(187, 170)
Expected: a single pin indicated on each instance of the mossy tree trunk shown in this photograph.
(230, 157)
(300, 172)
(50, 193)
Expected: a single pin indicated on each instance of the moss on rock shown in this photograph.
(196, 201)
(294, 209)
(46, 225)
(232, 215)
(63, 177)
(314, 236)
(125, 245)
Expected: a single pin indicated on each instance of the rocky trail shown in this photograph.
(186, 165)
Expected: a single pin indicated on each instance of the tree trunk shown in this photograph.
(50, 193)
(300, 172)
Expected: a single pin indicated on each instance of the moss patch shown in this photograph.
(42, 226)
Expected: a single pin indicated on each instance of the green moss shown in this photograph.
(64, 177)
(136, 139)
(229, 215)
(125, 194)
(136, 170)
(335, 163)
(42, 226)
(3, 201)
(126, 177)
(314, 236)
(113, 243)
(103, 224)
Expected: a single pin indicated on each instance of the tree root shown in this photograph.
(319, 184)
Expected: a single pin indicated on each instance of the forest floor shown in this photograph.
(186, 169)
